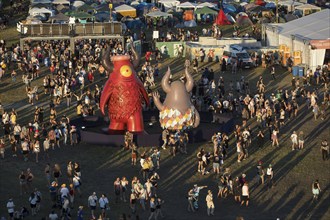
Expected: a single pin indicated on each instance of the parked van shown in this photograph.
(238, 53)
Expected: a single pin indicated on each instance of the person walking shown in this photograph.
(260, 173)
(92, 202)
(245, 194)
(209, 203)
(301, 140)
(272, 72)
(11, 209)
(294, 140)
(152, 209)
(190, 198)
(270, 176)
(104, 202)
(165, 135)
(316, 190)
(325, 150)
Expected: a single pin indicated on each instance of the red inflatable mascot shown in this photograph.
(123, 93)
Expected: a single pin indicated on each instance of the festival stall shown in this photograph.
(126, 10)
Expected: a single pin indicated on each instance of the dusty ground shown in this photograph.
(289, 199)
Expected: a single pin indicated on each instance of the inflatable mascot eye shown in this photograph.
(125, 71)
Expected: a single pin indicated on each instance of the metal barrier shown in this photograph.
(88, 29)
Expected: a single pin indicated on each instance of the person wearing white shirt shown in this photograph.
(53, 216)
(64, 191)
(10, 208)
(103, 201)
(92, 200)
(294, 139)
(209, 203)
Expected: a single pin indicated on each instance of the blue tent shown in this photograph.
(270, 5)
(134, 24)
(229, 8)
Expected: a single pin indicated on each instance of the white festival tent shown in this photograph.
(33, 2)
(78, 4)
(309, 34)
(187, 5)
(169, 4)
(206, 4)
(61, 2)
(40, 11)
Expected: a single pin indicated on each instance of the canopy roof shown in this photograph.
(290, 3)
(311, 27)
(206, 4)
(126, 10)
(307, 6)
(187, 5)
(206, 10)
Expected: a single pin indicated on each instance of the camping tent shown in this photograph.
(158, 14)
(206, 11)
(40, 1)
(168, 4)
(191, 23)
(126, 10)
(242, 19)
(230, 18)
(222, 18)
(38, 11)
(61, 2)
(187, 5)
(80, 15)
(59, 17)
(85, 8)
(206, 4)
(77, 4)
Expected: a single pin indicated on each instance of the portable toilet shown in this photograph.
(295, 70)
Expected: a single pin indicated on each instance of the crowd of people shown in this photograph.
(75, 78)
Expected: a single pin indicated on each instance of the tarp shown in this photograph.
(206, 11)
(158, 14)
(126, 10)
(222, 18)
(61, 2)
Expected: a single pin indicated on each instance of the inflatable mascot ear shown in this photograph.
(123, 93)
(177, 111)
